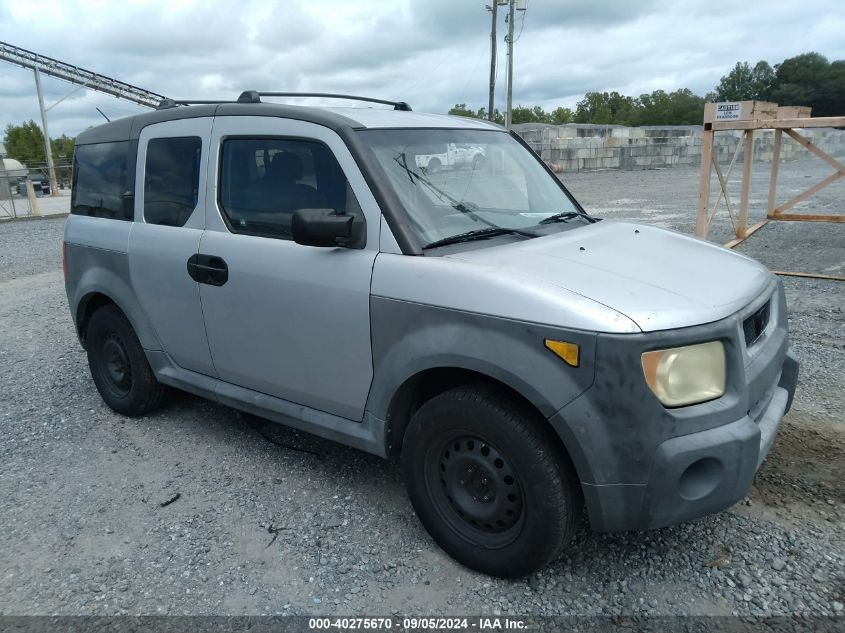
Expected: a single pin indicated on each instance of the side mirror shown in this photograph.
(324, 227)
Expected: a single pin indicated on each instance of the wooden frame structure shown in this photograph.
(749, 116)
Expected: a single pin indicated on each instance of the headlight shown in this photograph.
(686, 375)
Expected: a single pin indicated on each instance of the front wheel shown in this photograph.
(488, 481)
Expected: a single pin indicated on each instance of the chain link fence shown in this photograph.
(12, 204)
(17, 202)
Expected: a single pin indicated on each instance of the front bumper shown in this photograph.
(644, 466)
(697, 474)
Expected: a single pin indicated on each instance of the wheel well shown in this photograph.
(422, 387)
(89, 304)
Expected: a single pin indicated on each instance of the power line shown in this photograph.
(521, 24)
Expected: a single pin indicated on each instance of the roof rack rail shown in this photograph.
(166, 104)
(254, 96)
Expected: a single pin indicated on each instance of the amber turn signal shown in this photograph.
(568, 352)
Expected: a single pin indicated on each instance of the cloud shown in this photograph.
(431, 53)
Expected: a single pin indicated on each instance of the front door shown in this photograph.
(287, 320)
(170, 188)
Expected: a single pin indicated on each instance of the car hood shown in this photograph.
(660, 279)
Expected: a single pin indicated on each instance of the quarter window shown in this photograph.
(101, 181)
(264, 180)
(171, 180)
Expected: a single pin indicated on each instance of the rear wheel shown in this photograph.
(118, 365)
(489, 482)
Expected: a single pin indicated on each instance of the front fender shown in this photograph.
(408, 338)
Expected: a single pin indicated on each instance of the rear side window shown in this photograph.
(264, 180)
(171, 180)
(101, 183)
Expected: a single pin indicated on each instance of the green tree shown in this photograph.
(802, 69)
(737, 85)
(561, 115)
(26, 143)
(63, 147)
(481, 113)
(808, 79)
(830, 99)
(461, 109)
(606, 108)
(687, 108)
(522, 114)
(623, 108)
(762, 80)
(655, 108)
(745, 83)
(799, 80)
(541, 115)
(594, 108)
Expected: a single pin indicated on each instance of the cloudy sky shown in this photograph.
(431, 53)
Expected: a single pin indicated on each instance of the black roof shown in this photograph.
(129, 128)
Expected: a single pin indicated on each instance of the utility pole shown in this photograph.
(494, 9)
(508, 113)
(51, 169)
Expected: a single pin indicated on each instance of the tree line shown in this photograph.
(26, 144)
(808, 79)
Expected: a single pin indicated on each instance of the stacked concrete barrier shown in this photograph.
(581, 147)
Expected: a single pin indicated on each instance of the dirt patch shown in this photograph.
(802, 478)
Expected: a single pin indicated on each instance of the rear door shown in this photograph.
(170, 190)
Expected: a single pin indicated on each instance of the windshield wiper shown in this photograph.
(567, 215)
(477, 234)
(463, 207)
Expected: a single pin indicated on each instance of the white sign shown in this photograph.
(728, 111)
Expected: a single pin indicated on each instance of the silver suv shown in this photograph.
(523, 359)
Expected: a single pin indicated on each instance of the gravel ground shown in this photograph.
(268, 520)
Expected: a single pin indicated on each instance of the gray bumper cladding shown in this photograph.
(644, 466)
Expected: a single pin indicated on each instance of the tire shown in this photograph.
(489, 482)
(433, 166)
(118, 365)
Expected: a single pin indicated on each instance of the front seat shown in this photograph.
(281, 184)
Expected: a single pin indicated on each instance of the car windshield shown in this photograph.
(453, 182)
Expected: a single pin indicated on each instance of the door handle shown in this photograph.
(208, 269)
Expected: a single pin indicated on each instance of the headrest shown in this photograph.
(285, 167)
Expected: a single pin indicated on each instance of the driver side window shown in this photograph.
(264, 180)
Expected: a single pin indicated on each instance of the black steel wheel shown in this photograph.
(474, 488)
(119, 367)
(489, 481)
(115, 368)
